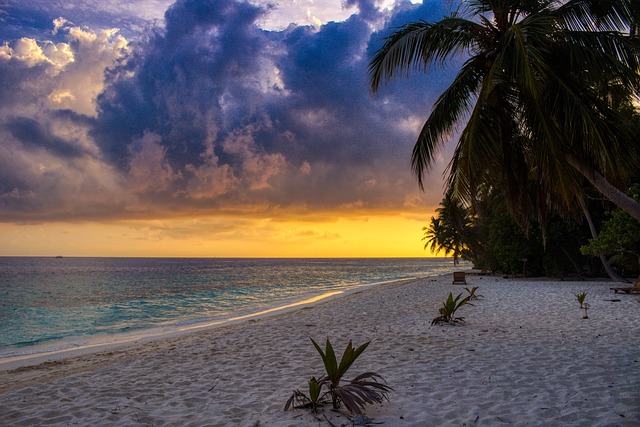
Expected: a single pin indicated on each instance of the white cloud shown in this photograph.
(82, 81)
(31, 53)
(74, 71)
(411, 124)
(279, 168)
(318, 117)
(210, 180)
(303, 12)
(49, 185)
(58, 23)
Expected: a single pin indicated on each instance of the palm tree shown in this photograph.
(437, 238)
(451, 230)
(528, 92)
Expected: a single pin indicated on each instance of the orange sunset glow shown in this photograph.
(209, 129)
(358, 236)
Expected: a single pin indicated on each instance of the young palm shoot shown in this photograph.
(472, 293)
(449, 308)
(300, 400)
(366, 388)
(362, 390)
(581, 297)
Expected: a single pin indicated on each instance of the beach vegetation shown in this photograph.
(451, 231)
(300, 400)
(494, 241)
(354, 395)
(472, 293)
(335, 371)
(542, 107)
(532, 99)
(619, 239)
(363, 389)
(449, 308)
(581, 297)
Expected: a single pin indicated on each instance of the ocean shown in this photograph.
(52, 304)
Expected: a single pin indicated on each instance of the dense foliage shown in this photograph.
(495, 241)
(542, 110)
(619, 239)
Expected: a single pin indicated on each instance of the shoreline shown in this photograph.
(51, 352)
(524, 356)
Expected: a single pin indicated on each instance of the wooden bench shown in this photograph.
(459, 278)
(635, 289)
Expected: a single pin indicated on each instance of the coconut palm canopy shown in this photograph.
(529, 96)
(451, 231)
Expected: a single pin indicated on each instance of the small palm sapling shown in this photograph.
(581, 297)
(449, 308)
(354, 395)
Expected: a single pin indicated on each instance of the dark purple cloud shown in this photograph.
(212, 112)
(209, 51)
(33, 135)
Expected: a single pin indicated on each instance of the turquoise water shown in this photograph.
(55, 303)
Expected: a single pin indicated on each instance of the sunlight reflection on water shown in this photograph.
(46, 300)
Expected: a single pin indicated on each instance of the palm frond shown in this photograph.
(450, 107)
(588, 127)
(540, 91)
(418, 45)
(476, 157)
(598, 15)
(604, 56)
(363, 390)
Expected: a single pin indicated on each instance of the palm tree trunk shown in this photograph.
(594, 234)
(614, 195)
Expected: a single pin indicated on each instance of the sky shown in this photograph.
(210, 128)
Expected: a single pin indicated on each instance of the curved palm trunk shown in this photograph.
(594, 234)
(614, 195)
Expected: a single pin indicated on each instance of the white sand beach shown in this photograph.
(525, 356)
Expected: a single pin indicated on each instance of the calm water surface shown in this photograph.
(55, 303)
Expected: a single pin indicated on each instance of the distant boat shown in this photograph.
(59, 256)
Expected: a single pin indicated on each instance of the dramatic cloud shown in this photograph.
(50, 167)
(210, 112)
(29, 18)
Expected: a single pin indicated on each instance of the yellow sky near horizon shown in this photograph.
(247, 161)
(366, 236)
